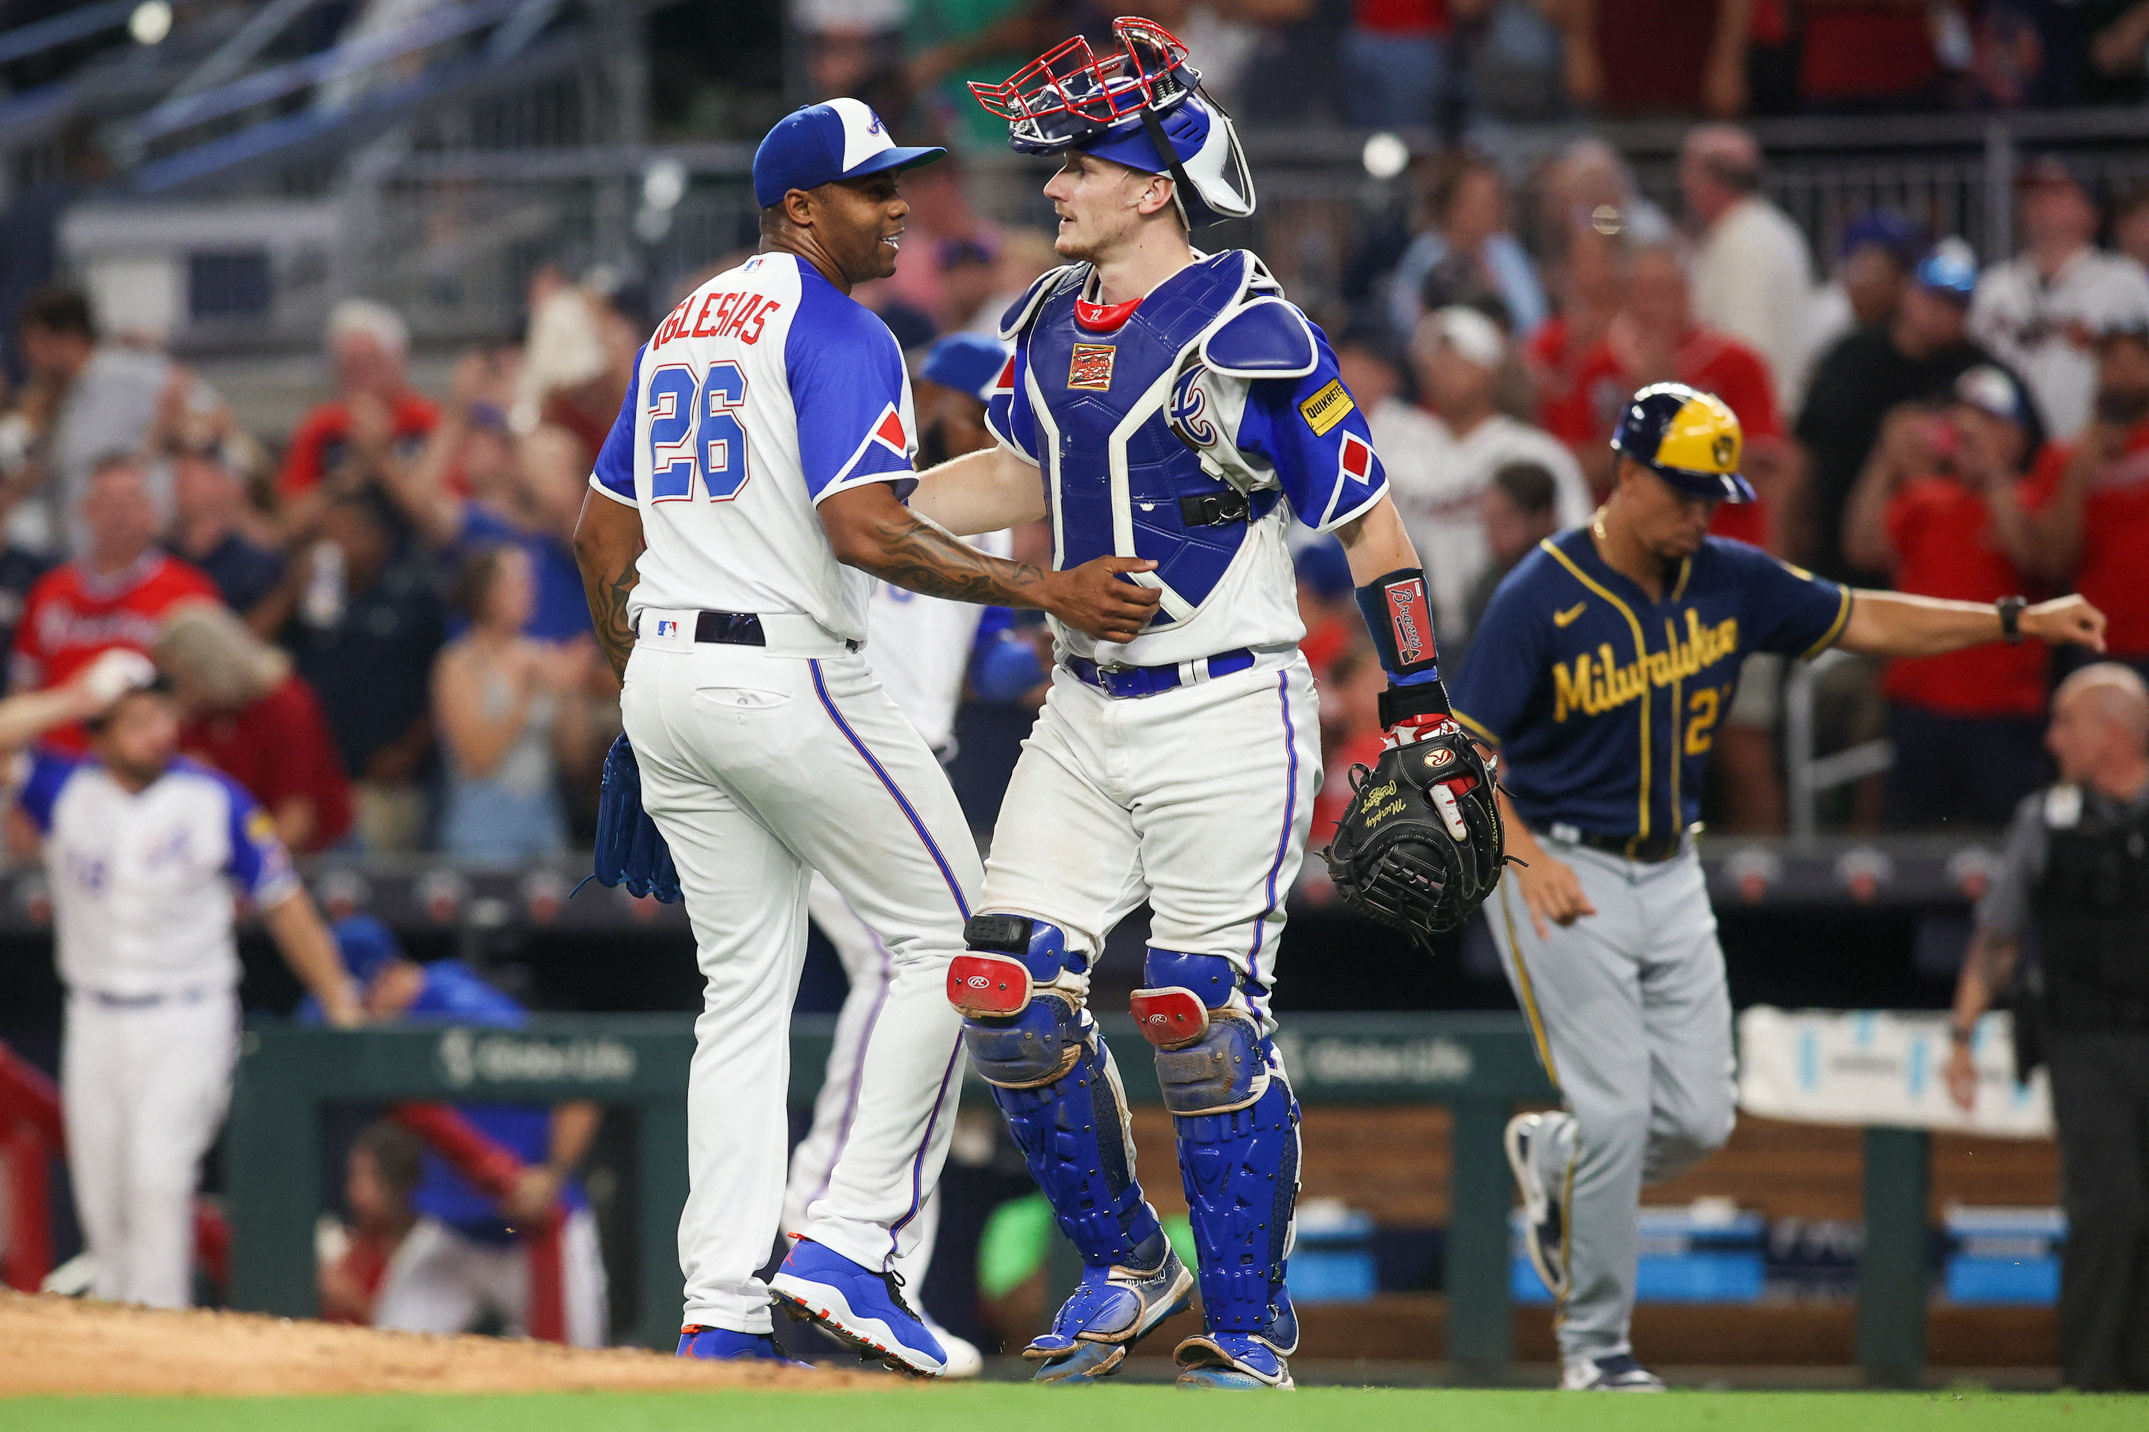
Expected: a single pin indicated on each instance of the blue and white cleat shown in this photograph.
(725, 1345)
(1617, 1373)
(1112, 1309)
(1240, 1362)
(863, 1309)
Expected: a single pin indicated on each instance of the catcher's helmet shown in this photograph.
(1689, 438)
(1140, 105)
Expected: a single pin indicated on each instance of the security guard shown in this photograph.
(1601, 670)
(2076, 873)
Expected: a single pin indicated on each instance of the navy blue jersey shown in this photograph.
(1605, 704)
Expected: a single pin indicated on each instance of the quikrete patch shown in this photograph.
(1324, 409)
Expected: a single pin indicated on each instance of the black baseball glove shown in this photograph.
(1420, 846)
(630, 849)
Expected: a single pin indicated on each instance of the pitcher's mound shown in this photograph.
(59, 1345)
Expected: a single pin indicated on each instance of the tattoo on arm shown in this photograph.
(608, 594)
(913, 553)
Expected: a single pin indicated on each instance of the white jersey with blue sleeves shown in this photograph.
(765, 392)
(142, 883)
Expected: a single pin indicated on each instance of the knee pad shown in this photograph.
(1241, 1174)
(1020, 1037)
(1211, 1057)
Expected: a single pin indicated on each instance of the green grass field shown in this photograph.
(1104, 1409)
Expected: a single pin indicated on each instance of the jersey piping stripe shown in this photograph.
(1525, 989)
(1835, 629)
(1641, 654)
(1290, 812)
(820, 689)
(1678, 714)
(917, 1163)
(1473, 725)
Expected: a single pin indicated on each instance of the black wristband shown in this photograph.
(2010, 609)
(1420, 698)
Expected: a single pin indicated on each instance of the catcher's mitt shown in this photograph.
(1397, 855)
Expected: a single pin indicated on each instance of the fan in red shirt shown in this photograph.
(116, 594)
(369, 345)
(249, 716)
(1943, 506)
(384, 1165)
(2098, 494)
(1654, 339)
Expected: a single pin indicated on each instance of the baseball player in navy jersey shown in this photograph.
(741, 510)
(1173, 407)
(146, 852)
(1602, 668)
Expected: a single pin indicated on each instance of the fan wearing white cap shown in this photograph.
(1173, 408)
(1441, 456)
(742, 512)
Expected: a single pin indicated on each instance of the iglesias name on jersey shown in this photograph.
(766, 392)
(1605, 704)
(1180, 430)
(142, 882)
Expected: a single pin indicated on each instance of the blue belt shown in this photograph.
(193, 995)
(1123, 683)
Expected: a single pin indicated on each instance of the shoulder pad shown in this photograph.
(1268, 338)
(1020, 313)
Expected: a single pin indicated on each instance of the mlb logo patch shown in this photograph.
(665, 628)
(1091, 367)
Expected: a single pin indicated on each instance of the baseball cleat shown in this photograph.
(1112, 1309)
(1240, 1362)
(863, 1309)
(1617, 1373)
(1541, 1209)
(725, 1345)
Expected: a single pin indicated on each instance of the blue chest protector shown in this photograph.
(1120, 415)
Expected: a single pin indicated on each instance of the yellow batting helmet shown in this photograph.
(1689, 438)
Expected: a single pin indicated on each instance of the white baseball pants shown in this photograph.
(760, 768)
(440, 1280)
(144, 1088)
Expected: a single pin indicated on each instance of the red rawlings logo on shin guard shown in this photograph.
(988, 986)
(1169, 1018)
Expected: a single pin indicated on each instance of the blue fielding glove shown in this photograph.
(630, 849)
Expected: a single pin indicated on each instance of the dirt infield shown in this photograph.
(58, 1345)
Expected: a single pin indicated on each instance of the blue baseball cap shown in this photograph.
(365, 944)
(1947, 270)
(839, 139)
(967, 362)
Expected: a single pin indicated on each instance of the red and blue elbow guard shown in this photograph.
(1399, 614)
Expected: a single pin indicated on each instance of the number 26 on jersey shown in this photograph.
(695, 433)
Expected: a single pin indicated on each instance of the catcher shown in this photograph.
(1173, 408)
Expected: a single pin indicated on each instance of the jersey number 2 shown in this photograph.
(694, 430)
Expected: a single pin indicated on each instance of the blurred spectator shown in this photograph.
(116, 594)
(2041, 310)
(86, 400)
(1328, 604)
(1519, 509)
(1591, 281)
(576, 364)
(1351, 736)
(1396, 68)
(375, 410)
(952, 42)
(850, 44)
(1025, 256)
(1874, 260)
(247, 714)
(1517, 63)
(508, 720)
(366, 625)
(1654, 338)
(1225, 36)
(1657, 57)
(209, 521)
(1464, 251)
(1440, 462)
(1941, 508)
(1915, 357)
(1752, 280)
(380, 1173)
(2093, 495)
(2130, 218)
(1589, 186)
(2118, 51)
(29, 228)
(1861, 55)
(954, 384)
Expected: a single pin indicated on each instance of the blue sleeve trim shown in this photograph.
(41, 788)
(259, 863)
(614, 471)
(1268, 338)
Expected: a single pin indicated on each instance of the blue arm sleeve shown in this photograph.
(1508, 661)
(1007, 411)
(614, 471)
(1311, 431)
(848, 389)
(40, 786)
(1787, 609)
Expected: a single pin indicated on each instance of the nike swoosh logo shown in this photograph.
(1567, 618)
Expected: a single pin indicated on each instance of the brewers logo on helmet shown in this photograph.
(1687, 437)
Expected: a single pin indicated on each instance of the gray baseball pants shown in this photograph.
(1633, 1022)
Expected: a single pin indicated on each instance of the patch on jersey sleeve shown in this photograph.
(1356, 457)
(1091, 367)
(888, 432)
(1326, 408)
